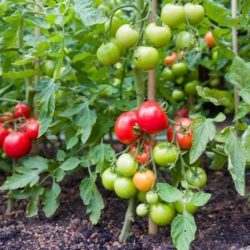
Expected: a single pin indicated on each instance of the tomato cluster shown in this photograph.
(156, 36)
(17, 129)
(134, 171)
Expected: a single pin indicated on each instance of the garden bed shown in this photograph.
(223, 224)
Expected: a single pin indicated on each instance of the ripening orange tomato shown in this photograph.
(144, 181)
(209, 39)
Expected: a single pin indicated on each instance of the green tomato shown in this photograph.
(146, 57)
(192, 75)
(152, 197)
(108, 54)
(126, 36)
(141, 196)
(179, 80)
(49, 68)
(190, 87)
(196, 177)
(180, 69)
(185, 40)
(158, 36)
(215, 56)
(194, 13)
(142, 210)
(215, 82)
(108, 179)
(161, 214)
(167, 74)
(178, 95)
(165, 153)
(189, 207)
(173, 15)
(116, 24)
(124, 187)
(126, 165)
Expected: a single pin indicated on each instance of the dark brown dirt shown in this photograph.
(222, 225)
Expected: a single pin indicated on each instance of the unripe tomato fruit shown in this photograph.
(179, 206)
(194, 13)
(108, 179)
(30, 127)
(185, 40)
(173, 15)
(151, 117)
(167, 74)
(165, 153)
(124, 187)
(108, 54)
(215, 82)
(124, 127)
(144, 181)
(49, 68)
(161, 214)
(126, 36)
(3, 133)
(152, 197)
(141, 196)
(115, 25)
(126, 165)
(184, 134)
(178, 95)
(158, 36)
(180, 69)
(196, 177)
(16, 145)
(142, 210)
(22, 110)
(209, 39)
(146, 57)
(190, 87)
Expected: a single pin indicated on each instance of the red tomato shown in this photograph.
(16, 145)
(141, 154)
(169, 60)
(124, 127)
(181, 113)
(3, 133)
(22, 109)
(184, 133)
(170, 133)
(151, 117)
(30, 127)
(209, 39)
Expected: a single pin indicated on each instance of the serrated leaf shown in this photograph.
(70, 164)
(236, 160)
(32, 207)
(51, 199)
(26, 175)
(87, 14)
(204, 131)
(92, 199)
(246, 142)
(200, 199)
(168, 193)
(183, 230)
(99, 154)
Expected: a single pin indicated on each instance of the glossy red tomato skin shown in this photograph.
(151, 117)
(16, 145)
(141, 154)
(170, 133)
(22, 109)
(3, 133)
(124, 127)
(31, 128)
(181, 113)
(184, 138)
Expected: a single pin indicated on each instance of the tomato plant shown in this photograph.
(162, 214)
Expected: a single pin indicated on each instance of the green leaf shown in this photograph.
(168, 193)
(245, 94)
(32, 207)
(92, 199)
(87, 14)
(183, 230)
(101, 153)
(71, 142)
(246, 142)
(239, 72)
(51, 199)
(216, 96)
(220, 118)
(236, 160)
(13, 75)
(70, 164)
(204, 131)
(200, 199)
(26, 175)
(218, 161)
(243, 110)
(60, 155)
